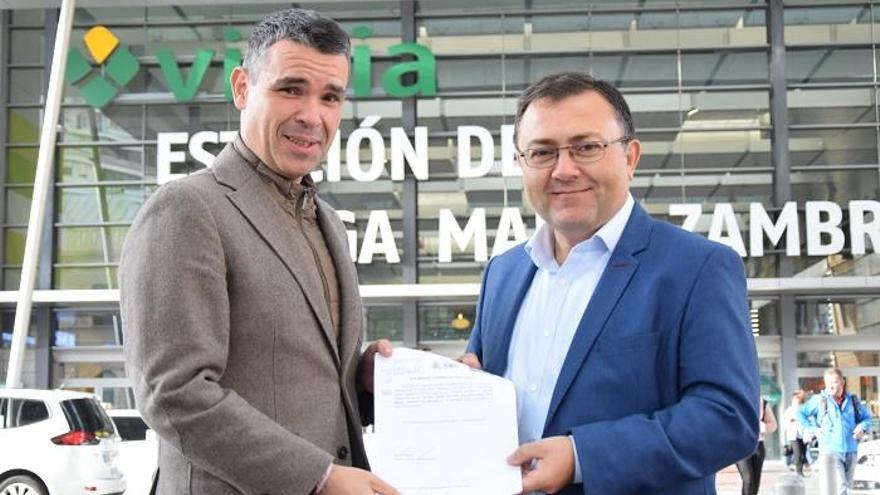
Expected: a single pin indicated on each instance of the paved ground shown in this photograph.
(728, 482)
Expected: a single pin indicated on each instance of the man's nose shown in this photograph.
(565, 168)
(309, 112)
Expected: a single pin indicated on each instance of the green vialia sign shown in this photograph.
(117, 67)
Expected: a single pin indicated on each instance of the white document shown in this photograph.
(443, 428)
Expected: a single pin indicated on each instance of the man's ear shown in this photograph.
(239, 84)
(633, 153)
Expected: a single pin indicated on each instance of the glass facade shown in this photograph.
(721, 127)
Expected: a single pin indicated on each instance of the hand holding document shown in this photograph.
(443, 428)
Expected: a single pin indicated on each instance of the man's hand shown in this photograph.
(352, 481)
(554, 469)
(365, 367)
(471, 360)
(858, 432)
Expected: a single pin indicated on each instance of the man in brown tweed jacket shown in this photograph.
(242, 316)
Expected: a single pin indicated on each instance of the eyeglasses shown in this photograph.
(583, 153)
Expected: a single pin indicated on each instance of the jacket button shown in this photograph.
(342, 453)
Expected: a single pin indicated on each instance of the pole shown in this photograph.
(828, 482)
(45, 161)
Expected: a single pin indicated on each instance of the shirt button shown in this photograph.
(342, 453)
(562, 282)
(533, 388)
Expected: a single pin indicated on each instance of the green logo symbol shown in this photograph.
(99, 87)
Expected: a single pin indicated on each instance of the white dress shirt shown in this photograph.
(549, 317)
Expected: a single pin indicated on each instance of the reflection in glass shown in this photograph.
(764, 315)
(831, 106)
(838, 186)
(31, 38)
(384, 322)
(860, 316)
(86, 327)
(445, 322)
(21, 165)
(18, 205)
(112, 123)
(13, 245)
(100, 163)
(831, 64)
(23, 125)
(98, 204)
(838, 359)
(837, 265)
(28, 375)
(89, 370)
(84, 278)
(25, 85)
(190, 118)
(89, 244)
(839, 146)
(11, 279)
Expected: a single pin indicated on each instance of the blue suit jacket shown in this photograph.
(660, 385)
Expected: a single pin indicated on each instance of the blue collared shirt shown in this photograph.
(549, 316)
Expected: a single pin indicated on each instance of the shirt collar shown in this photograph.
(289, 188)
(540, 245)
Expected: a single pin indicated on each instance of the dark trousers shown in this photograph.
(750, 471)
(798, 455)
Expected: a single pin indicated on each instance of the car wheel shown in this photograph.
(21, 485)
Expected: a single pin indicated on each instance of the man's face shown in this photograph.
(834, 385)
(291, 106)
(576, 199)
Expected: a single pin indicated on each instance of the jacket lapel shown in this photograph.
(509, 300)
(249, 195)
(611, 287)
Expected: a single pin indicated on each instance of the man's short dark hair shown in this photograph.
(302, 26)
(564, 84)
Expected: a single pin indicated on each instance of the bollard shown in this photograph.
(789, 484)
(828, 483)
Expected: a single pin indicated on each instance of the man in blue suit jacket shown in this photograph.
(627, 338)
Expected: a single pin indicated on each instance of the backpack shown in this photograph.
(854, 399)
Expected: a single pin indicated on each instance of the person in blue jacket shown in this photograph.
(839, 420)
(627, 338)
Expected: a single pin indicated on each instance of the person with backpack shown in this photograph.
(839, 420)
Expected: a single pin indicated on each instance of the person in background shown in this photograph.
(794, 436)
(750, 467)
(839, 420)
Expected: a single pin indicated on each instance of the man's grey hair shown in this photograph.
(306, 27)
(834, 371)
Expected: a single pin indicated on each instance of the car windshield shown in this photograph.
(131, 428)
(87, 415)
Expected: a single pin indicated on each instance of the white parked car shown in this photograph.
(867, 473)
(138, 450)
(57, 442)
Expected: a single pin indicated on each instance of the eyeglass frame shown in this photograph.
(605, 144)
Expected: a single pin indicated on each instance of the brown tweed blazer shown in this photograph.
(228, 342)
